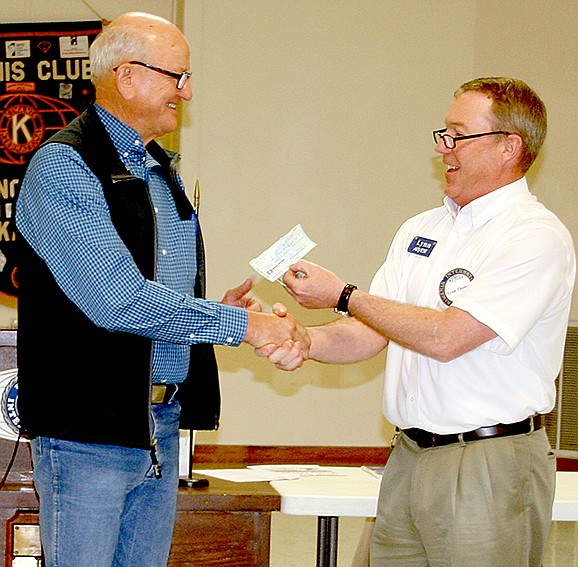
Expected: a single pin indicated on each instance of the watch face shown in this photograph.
(343, 302)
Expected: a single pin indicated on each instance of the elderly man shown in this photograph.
(115, 338)
(472, 303)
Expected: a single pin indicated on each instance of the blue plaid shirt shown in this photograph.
(62, 213)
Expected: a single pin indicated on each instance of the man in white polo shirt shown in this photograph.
(472, 303)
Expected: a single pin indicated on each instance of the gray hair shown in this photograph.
(114, 46)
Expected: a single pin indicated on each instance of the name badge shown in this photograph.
(422, 246)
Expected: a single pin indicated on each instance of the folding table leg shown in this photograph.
(327, 529)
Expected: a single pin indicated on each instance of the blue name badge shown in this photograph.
(421, 246)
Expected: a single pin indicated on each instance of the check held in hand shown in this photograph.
(275, 261)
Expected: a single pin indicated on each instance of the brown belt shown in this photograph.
(162, 393)
(426, 439)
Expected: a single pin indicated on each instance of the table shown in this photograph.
(354, 493)
(565, 507)
(225, 524)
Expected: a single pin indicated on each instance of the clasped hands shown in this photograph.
(278, 335)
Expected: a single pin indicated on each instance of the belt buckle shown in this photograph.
(158, 392)
(395, 438)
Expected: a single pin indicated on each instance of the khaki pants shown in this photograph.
(361, 556)
(486, 503)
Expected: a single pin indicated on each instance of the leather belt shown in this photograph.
(426, 439)
(162, 393)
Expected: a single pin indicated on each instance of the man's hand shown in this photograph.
(266, 335)
(293, 348)
(288, 356)
(312, 286)
(268, 328)
(237, 297)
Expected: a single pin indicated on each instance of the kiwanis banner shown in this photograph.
(44, 84)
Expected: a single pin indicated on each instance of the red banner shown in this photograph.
(44, 84)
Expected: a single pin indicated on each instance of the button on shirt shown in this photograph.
(62, 213)
(509, 262)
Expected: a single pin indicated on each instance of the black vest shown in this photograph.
(81, 382)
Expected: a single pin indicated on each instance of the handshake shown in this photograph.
(278, 335)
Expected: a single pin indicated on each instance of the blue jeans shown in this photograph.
(101, 505)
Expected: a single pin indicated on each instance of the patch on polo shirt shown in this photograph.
(421, 246)
(453, 283)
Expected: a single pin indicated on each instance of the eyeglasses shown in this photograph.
(181, 78)
(450, 141)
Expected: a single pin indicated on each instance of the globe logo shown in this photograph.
(26, 120)
(9, 417)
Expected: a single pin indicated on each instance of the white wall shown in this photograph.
(77, 10)
(538, 42)
(320, 112)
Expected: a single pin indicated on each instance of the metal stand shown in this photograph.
(327, 528)
(191, 482)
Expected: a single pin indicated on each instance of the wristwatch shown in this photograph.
(343, 301)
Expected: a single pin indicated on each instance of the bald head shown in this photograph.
(141, 20)
(140, 68)
(131, 36)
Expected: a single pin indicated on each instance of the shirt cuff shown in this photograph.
(224, 325)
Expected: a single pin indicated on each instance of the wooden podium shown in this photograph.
(225, 524)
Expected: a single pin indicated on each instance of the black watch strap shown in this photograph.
(343, 302)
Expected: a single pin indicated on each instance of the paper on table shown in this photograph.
(376, 471)
(260, 473)
(299, 470)
(275, 261)
(247, 475)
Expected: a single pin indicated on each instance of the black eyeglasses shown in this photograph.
(181, 78)
(450, 141)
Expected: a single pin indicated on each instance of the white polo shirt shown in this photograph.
(510, 263)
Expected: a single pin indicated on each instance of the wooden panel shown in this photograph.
(225, 524)
(224, 496)
(252, 454)
(238, 455)
(211, 539)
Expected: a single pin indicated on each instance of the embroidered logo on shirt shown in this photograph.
(453, 283)
(421, 246)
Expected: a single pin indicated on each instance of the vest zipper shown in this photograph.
(154, 442)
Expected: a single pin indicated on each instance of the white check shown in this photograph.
(275, 261)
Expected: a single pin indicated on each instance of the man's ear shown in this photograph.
(513, 145)
(125, 80)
